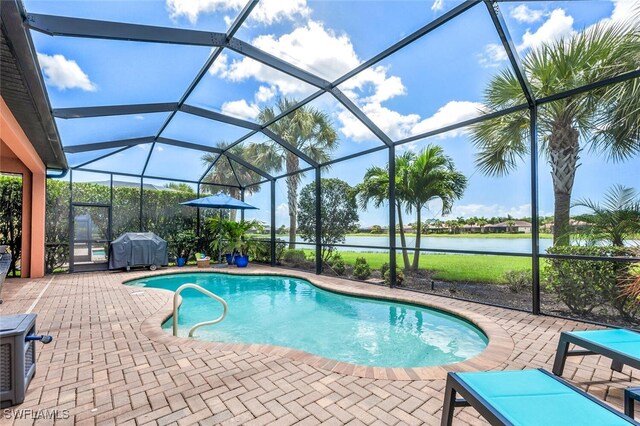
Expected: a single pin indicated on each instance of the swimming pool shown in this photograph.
(293, 313)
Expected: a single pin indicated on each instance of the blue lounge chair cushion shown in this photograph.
(620, 340)
(531, 397)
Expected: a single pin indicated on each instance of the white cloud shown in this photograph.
(191, 9)
(394, 124)
(314, 48)
(437, 5)
(282, 214)
(241, 109)
(242, 69)
(266, 12)
(398, 126)
(451, 113)
(265, 94)
(220, 66)
(523, 14)
(65, 73)
(271, 11)
(375, 82)
(558, 25)
(492, 56)
(139, 117)
(623, 10)
(317, 48)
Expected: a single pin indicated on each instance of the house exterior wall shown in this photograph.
(17, 155)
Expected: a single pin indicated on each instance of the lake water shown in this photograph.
(508, 245)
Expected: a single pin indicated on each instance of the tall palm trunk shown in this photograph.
(416, 254)
(235, 193)
(564, 152)
(293, 165)
(403, 239)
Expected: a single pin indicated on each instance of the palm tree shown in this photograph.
(617, 218)
(420, 178)
(432, 175)
(375, 189)
(306, 129)
(223, 173)
(606, 119)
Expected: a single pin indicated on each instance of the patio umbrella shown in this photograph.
(220, 201)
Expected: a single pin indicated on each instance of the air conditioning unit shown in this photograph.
(17, 356)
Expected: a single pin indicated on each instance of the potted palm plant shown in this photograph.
(236, 241)
(222, 231)
(183, 244)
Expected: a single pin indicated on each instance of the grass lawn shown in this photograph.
(411, 234)
(452, 267)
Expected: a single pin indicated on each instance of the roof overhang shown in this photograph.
(23, 89)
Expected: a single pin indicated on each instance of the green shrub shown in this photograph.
(361, 269)
(386, 275)
(384, 268)
(183, 244)
(295, 257)
(584, 284)
(336, 264)
(261, 250)
(518, 281)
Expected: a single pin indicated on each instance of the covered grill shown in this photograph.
(138, 249)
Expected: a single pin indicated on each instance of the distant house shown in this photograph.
(576, 225)
(369, 229)
(471, 229)
(513, 227)
(436, 229)
(126, 184)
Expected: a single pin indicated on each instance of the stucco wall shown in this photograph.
(17, 155)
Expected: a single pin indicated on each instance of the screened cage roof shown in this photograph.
(171, 89)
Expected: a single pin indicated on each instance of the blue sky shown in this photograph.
(436, 81)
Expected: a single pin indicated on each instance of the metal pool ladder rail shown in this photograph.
(200, 324)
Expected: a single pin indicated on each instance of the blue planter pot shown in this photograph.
(241, 261)
(181, 261)
(229, 258)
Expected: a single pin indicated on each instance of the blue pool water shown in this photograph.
(291, 312)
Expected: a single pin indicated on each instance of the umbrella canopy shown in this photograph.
(219, 201)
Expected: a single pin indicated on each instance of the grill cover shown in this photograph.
(138, 249)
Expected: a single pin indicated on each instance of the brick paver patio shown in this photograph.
(105, 369)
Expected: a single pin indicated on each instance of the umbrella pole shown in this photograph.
(220, 246)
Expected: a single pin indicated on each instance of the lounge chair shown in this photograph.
(526, 397)
(622, 346)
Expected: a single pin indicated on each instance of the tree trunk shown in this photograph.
(235, 193)
(416, 254)
(564, 152)
(293, 181)
(403, 239)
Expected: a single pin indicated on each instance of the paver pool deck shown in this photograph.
(111, 364)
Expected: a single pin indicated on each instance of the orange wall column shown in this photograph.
(24, 159)
(38, 215)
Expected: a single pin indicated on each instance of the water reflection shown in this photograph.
(293, 313)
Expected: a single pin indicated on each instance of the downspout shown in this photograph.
(61, 173)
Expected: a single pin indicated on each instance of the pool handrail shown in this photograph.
(200, 324)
